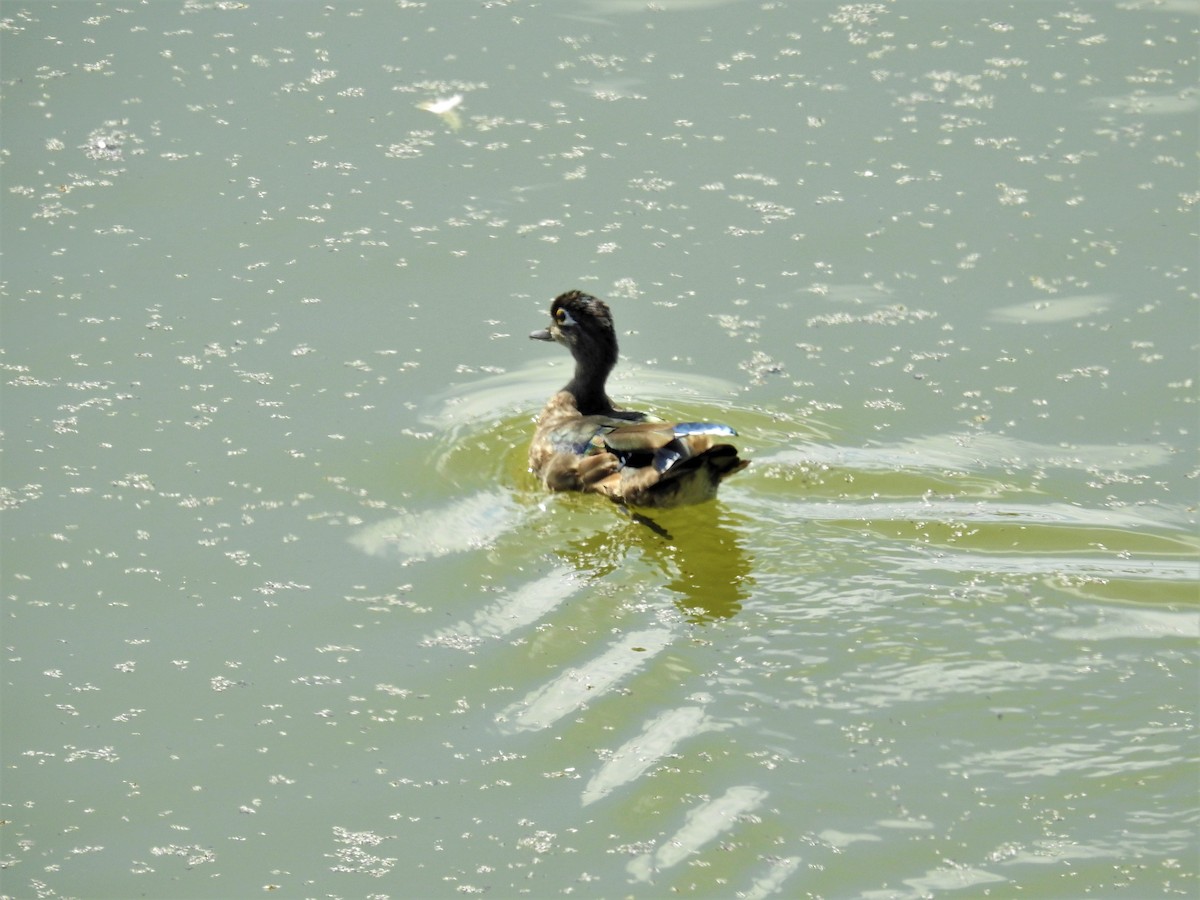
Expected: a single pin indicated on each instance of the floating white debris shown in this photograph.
(442, 106)
(445, 107)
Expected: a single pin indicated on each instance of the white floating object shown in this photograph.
(444, 107)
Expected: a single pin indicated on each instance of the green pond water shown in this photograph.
(284, 611)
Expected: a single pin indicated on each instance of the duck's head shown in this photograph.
(583, 324)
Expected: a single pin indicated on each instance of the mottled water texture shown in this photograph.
(284, 612)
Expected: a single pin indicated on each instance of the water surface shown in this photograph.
(283, 609)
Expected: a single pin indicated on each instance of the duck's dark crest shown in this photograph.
(583, 442)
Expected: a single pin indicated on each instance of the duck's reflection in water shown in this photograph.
(699, 551)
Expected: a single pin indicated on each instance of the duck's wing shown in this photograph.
(651, 436)
(662, 445)
(665, 463)
(582, 435)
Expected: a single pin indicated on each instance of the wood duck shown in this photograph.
(585, 443)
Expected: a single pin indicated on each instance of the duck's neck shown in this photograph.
(591, 374)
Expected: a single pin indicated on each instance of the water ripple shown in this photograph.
(577, 686)
(703, 824)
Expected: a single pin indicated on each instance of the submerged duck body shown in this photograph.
(583, 442)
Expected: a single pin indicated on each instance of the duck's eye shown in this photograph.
(562, 317)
